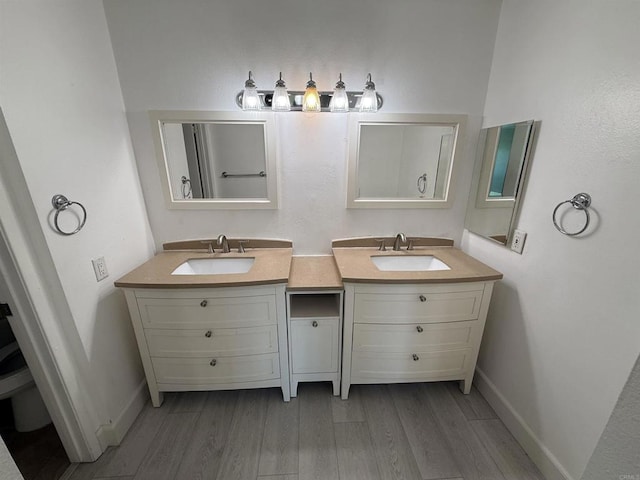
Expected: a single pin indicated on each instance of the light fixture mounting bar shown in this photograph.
(296, 100)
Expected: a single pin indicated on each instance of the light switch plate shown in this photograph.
(517, 244)
(100, 268)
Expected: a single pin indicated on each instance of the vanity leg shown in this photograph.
(336, 387)
(294, 388)
(345, 390)
(156, 398)
(465, 385)
(285, 393)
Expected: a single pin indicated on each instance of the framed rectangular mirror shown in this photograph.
(502, 159)
(403, 160)
(216, 160)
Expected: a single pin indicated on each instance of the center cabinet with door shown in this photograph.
(314, 318)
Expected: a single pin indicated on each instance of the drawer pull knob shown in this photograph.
(208, 334)
(203, 303)
(423, 298)
(420, 329)
(415, 357)
(314, 324)
(213, 362)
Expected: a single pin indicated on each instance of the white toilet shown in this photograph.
(16, 382)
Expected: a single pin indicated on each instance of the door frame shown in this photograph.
(42, 321)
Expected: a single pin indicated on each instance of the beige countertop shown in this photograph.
(276, 265)
(355, 265)
(271, 265)
(314, 273)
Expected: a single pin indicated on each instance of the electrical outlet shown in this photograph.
(517, 244)
(100, 268)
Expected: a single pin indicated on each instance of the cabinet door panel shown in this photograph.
(313, 349)
(178, 313)
(212, 341)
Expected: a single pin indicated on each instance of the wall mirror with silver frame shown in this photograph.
(502, 159)
(216, 160)
(403, 160)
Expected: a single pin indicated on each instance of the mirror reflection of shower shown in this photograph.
(499, 173)
(199, 154)
(397, 160)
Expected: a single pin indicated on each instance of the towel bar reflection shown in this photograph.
(227, 174)
(581, 201)
(61, 203)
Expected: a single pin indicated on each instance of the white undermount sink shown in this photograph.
(214, 266)
(408, 263)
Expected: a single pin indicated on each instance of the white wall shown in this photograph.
(563, 331)
(424, 55)
(616, 454)
(60, 94)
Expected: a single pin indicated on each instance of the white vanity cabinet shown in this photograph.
(413, 332)
(211, 338)
(315, 335)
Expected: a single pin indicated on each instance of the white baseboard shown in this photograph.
(548, 464)
(112, 434)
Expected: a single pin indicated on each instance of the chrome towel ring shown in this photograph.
(581, 201)
(61, 203)
(186, 188)
(422, 183)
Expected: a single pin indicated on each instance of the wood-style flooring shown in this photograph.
(422, 431)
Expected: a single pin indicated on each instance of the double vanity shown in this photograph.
(257, 317)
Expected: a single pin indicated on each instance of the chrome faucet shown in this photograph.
(400, 239)
(222, 242)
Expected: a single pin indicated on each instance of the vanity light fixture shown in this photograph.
(280, 101)
(310, 100)
(250, 98)
(339, 100)
(369, 100)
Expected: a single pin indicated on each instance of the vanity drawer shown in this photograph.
(372, 367)
(205, 313)
(223, 370)
(417, 307)
(213, 341)
(413, 337)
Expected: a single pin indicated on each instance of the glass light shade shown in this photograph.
(311, 98)
(250, 98)
(280, 101)
(339, 100)
(369, 100)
